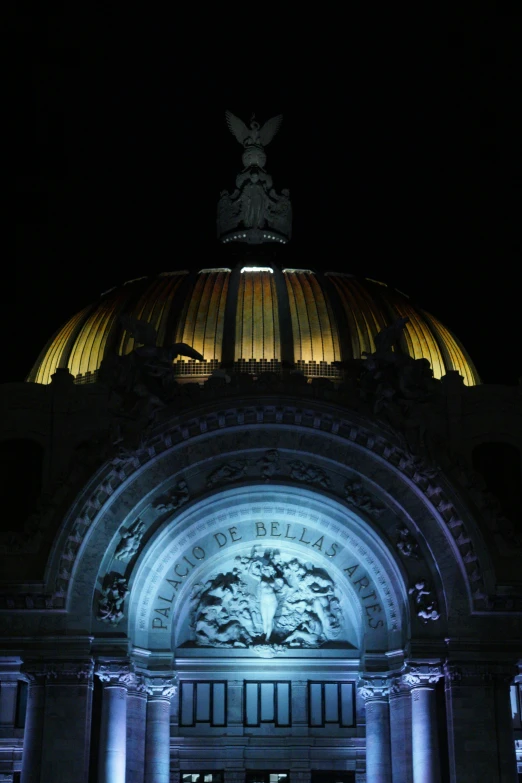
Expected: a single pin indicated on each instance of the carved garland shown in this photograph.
(417, 470)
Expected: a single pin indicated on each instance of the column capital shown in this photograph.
(115, 672)
(373, 689)
(163, 686)
(422, 675)
(479, 672)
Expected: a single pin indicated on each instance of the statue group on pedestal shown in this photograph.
(254, 204)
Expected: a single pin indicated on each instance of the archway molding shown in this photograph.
(120, 493)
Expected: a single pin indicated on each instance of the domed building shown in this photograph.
(267, 530)
(252, 319)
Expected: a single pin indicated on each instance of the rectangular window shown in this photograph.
(203, 702)
(515, 705)
(267, 702)
(201, 777)
(331, 703)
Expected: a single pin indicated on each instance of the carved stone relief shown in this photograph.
(130, 541)
(269, 464)
(174, 498)
(425, 602)
(266, 600)
(424, 476)
(356, 496)
(406, 544)
(309, 474)
(232, 471)
(113, 595)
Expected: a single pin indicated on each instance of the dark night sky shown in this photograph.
(401, 149)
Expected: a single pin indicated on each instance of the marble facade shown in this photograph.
(283, 559)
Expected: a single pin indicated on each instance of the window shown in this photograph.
(267, 702)
(331, 703)
(333, 777)
(201, 777)
(515, 706)
(203, 702)
(263, 776)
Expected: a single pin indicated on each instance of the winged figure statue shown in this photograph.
(143, 332)
(255, 135)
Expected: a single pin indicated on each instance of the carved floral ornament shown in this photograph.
(424, 477)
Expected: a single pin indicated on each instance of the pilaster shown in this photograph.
(67, 721)
(34, 722)
(480, 728)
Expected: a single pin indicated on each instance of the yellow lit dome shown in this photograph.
(252, 319)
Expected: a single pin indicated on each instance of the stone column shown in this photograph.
(425, 742)
(157, 742)
(378, 751)
(67, 721)
(136, 728)
(115, 676)
(400, 732)
(480, 731)
(34, 721)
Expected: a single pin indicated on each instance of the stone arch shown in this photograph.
(301, 524)
(318, 453)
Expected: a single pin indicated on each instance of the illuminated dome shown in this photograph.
(252, 319)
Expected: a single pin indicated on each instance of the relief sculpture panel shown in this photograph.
(267, 598)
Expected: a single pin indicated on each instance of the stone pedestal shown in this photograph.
(136, 722)
(378, 750)
(34, 721)
(400, 734)
(480, 731)
(116, 676)
(157, 741)
(67, 722)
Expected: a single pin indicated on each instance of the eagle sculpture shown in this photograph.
(255, 135)
(143, 332)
